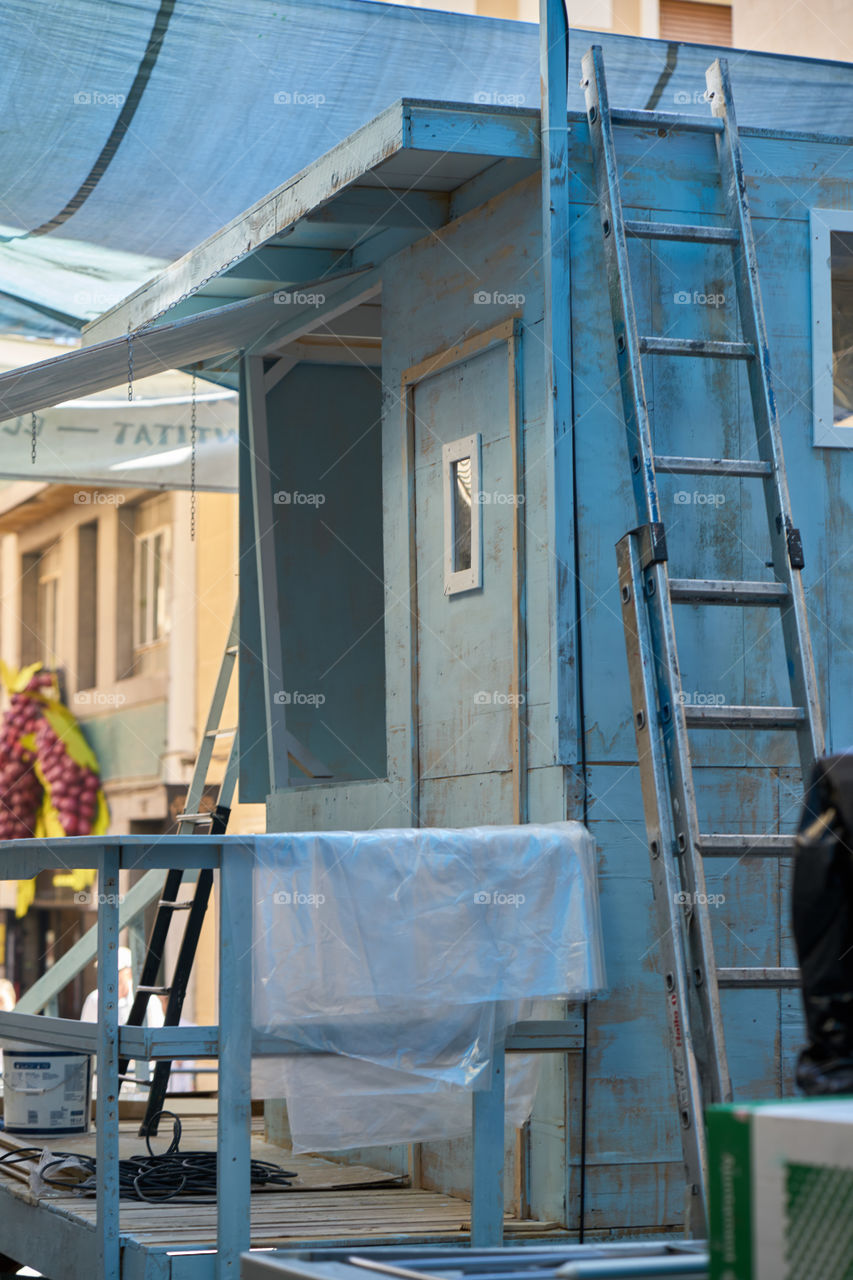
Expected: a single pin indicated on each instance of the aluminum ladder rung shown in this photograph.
(672, 465)
(733, 845)
(220, 733)
(653, 346)
(758, 977)
(152, 991)
(726, 591)
(677, 847)
(175, 906)
(681, 231)
(744, 717)
(633, 116)
(202, 816)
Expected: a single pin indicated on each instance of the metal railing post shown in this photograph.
(233, 1188)
(106, 1141)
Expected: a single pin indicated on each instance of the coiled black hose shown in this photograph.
(156, 1178)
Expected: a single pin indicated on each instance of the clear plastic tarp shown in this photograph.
(397, 956)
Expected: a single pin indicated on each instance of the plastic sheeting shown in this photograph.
(401, 955)
(140, 127)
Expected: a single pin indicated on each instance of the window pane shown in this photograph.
(161, 615)
(48, 621)
(142, 591)
(156, 587)
(841, 265)
(461, 483)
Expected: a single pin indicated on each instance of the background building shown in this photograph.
(108, 588)
(815, 30)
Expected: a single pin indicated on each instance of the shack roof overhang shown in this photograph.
(405, 174)
(325, 232)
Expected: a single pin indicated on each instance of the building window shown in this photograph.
(151, 614)
(463, 508)
(832, 327)
(87, 604)
(696, 23)
(48, 605)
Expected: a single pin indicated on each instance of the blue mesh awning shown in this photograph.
(134, 129)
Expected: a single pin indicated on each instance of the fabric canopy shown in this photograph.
(133, 129)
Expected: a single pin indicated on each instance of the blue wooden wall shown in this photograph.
(633, 1171)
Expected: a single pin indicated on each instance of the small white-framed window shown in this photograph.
(832, 326)
(150, 588)
(463, 515)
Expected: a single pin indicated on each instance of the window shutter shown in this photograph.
(696, 23)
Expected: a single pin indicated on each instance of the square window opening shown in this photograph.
(463, 509)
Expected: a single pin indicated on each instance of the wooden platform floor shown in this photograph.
(328, 1201)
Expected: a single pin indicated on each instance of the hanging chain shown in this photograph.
(132, 333)
(33, 429)
(192, 461)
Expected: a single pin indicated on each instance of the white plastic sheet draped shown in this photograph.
(401, 954)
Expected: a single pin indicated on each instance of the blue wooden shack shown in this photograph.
(433, 476)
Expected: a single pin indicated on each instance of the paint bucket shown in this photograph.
(46, 1091)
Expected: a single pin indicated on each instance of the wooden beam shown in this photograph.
(301, 319)
(285, 264)
(556, 262)
(264, 532)
(430, 127)
(375, 207)
(172, 346)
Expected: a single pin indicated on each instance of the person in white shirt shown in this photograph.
(154, 1016)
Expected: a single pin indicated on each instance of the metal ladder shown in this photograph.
(677, 846)
(189, 822)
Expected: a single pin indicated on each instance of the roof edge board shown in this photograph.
(254, 324)
(252, 229)
(465, 128)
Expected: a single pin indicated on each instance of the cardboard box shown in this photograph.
(781, 1190)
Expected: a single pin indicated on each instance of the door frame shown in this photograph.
(508, 332)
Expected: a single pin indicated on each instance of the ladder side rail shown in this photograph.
(153, 953)
(214, 719)
(177, 995)
(656, 580)
(666, 879)
(794, 615)
(686, 825)
(619, 287)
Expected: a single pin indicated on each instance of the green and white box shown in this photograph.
(781, 1190)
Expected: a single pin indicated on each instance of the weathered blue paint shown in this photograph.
(106, 1139)
(714, 529)
(233, 1190)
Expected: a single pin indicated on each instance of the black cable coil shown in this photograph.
(156, 1178)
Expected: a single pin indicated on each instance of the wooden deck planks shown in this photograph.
(328, 1201)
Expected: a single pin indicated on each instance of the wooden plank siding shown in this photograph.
(633, 1167)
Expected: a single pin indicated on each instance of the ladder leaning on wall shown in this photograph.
(193, 820)
(661, 720)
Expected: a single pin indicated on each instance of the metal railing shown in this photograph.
(231, 1042)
